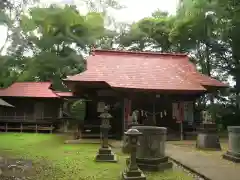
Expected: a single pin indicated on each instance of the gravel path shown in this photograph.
(209, 167)
(179, 167)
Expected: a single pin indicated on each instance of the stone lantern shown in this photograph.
(207, 138)
(132, 171)
(134, 122)
(105, 153)
(233, 153)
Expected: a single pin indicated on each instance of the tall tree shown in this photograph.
(229, 13)
(149, 33)
(10, 13)
(57, 39)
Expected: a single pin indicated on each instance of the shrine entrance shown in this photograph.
(164, 110)
(155, 111)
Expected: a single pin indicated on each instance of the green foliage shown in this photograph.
(4, 19)
(58, 37)
(50, 43)
(78, 110)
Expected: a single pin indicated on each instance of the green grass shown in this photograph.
(54, 160)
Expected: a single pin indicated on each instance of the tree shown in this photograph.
(149, 33)
(57, 39)
(229, 12)
(78, 112)
(11, 66)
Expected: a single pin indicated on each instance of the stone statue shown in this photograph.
(207, 118)
(135, 115)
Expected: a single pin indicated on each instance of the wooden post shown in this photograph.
(181, 130)
(21, 127)
(154, 112)
(181, 117)
(51, 128)
(6, 127)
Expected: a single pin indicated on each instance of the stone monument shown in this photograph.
(233, 153)
(207, 138)
(132, 172)
(105, 153)
(151, 151)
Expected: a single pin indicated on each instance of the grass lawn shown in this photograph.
(54, 160)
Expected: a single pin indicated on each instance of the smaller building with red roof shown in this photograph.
(162, 87)
(34, 102)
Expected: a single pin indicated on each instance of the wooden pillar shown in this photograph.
(51, 128)
(181, 118)
(126, 112)
(178, 114)
(21, 127)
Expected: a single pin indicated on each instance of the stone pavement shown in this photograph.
(210, 168)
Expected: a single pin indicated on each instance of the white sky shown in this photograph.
(134, 11)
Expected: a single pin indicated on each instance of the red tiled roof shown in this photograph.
(144, 70)
(29, 89)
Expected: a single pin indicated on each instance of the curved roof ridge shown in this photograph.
(100, 51)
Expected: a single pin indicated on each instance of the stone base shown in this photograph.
(231, 157)
(208, 141)
(133, 175)
(156, 164)
(106, 155)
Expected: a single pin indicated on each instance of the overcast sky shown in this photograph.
(135, 10)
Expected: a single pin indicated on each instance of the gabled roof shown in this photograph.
(29, 89)
(4, 103)
(144, 70)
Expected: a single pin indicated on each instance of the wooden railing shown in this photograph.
(22, 119)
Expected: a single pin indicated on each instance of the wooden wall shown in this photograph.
(32, 109)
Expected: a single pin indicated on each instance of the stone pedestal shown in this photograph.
(105, 153)
(233, 153)
(207, 138)
(151, 149)
(132, 172)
